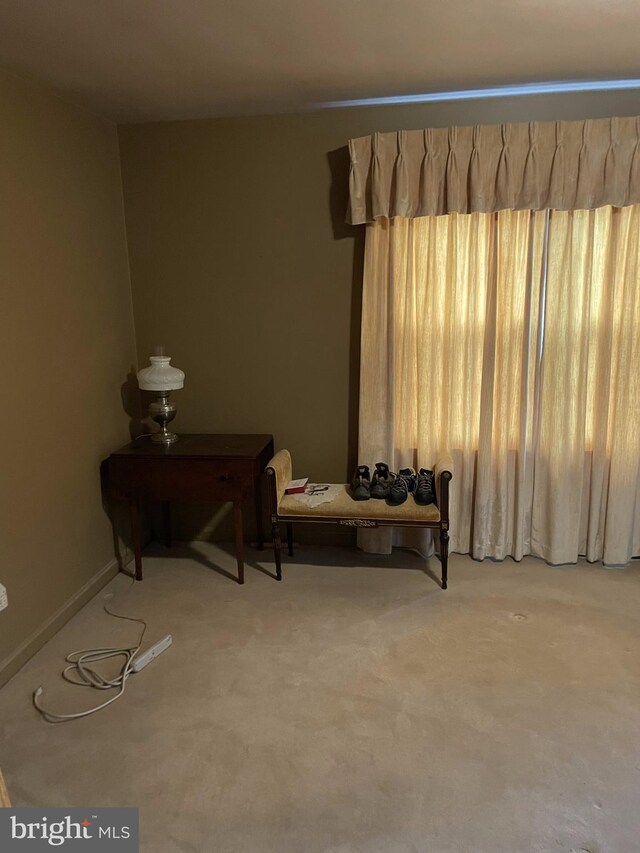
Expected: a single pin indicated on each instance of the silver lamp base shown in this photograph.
(163, 411)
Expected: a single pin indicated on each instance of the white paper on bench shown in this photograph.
(321, 498)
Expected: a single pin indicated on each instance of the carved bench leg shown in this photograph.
(444, 555)
(290, 538)
(275, 532)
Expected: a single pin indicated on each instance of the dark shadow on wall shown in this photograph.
(118, 514)
(339, 165)
(118, 510)
(132, 403)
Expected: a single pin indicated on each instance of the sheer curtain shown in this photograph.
(587, 465)
(510, 340)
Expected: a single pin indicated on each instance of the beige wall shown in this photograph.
(66, 346)
(242, 267)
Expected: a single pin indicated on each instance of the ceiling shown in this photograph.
(146, 60)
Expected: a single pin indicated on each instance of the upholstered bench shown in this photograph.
(343, 510)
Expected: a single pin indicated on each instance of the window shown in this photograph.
(511, 339)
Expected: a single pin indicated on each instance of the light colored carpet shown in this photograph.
(353, 707)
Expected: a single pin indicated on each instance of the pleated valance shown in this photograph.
(566, 165)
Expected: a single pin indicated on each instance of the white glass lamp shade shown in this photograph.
(160, 375)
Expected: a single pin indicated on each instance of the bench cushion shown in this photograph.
(344, 506)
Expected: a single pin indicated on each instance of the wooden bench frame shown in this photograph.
(444, 473)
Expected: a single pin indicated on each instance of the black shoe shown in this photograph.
(381, 483)
(361, 484)
(425, 491)
(402, 486)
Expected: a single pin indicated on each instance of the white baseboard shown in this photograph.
(19, 656)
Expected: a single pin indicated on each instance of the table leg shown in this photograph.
(237, 517)
(257, 497)
(136, 535)
(166, 522)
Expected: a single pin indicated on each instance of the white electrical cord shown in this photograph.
(80, 663)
